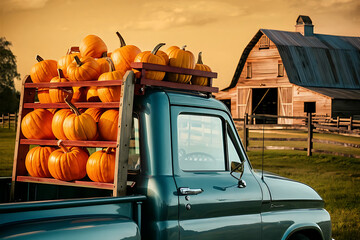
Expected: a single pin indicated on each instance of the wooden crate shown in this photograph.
(27, 104)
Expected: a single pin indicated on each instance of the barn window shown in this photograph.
(280, 69)
(264, 42)
(249, 70)
(310, 107)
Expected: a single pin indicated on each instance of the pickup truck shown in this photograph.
(191, 179)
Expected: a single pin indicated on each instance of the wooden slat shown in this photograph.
(74, 84)
(181, 86)
(124, 132)
(77, 104)
(78, 183)
(43, 142)
(164, 68)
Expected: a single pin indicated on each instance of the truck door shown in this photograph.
(211, 205)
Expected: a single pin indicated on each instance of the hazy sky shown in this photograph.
(219, 28)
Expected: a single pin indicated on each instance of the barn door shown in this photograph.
(285, 104)
(244, 101)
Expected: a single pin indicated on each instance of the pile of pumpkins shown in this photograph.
(92, 63)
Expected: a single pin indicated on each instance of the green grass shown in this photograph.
(336, 179)
(7, 146)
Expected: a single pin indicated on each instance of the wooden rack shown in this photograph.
(125, 106)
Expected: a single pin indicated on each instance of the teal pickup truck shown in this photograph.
(191, 179)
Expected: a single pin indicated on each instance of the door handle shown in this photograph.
(190, 191)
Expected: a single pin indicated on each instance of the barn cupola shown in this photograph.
(304, 26)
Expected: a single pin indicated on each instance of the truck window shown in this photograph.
(232, 153)
(134, 149)
(200, 143)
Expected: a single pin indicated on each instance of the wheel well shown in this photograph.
(312, 234)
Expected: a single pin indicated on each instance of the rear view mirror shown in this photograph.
(238, 167)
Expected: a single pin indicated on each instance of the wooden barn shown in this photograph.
(292, 73)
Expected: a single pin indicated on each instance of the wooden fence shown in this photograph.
(9, 120)
(310, 124)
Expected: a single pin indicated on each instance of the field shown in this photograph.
(335, 178)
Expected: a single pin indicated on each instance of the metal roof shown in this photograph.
(337, 93)
(312, 61)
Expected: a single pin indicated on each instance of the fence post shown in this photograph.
(9, 120)
(338, 122)
(310, 135)
(350, 124)
(246, 132)
(16, 118)
(2, 120)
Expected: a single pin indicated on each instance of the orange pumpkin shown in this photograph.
(79, 126)
(171, 49)
(65, 61)
(92, 46)
(37, 124)
(57, 95)
(36, 161)
(68, 164)
(83, 69)
(124, 56)
(108, 125)
(79, 94)
(100, 166)
(164, 56)
(110, 93)
(58, 121)
(43, 95)
(183, 59)
(104, 63)
(95, 113)
(151, 57)
(43, 70)
(92, 94)
(202, 81)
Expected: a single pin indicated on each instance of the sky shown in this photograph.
(221, 29)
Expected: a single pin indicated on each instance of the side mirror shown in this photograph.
(238, 167)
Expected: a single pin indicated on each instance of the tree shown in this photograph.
(9, 97)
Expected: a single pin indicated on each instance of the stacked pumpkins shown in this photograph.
(92, 63)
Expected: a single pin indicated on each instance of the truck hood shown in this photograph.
(283, 189)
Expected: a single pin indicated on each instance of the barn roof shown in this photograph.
(337, 93)
(312, 61)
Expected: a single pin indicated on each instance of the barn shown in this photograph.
(293, 73)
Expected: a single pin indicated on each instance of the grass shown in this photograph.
(7, 146)
(336, 179)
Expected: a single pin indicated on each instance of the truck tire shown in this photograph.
(299, 236)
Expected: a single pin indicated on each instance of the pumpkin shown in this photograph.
(124, 56)
(171, 49)
(36, 161)
(202, 81)
(183, 59)
(164, 56)
(100, 166)
(92, 94)
(37, 124)
(110, 93)
(43, 70)
(57, 95)
(43, 95)
(95, 113)
(104, 63)
(108, 125)
(58, 121)
(92, 46)
(79, 94)
(79, 126)
(65, 61)
(151, 57)
(68, 164)
(52, 110)
(83, 69)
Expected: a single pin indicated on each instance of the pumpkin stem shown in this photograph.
(157, 47)
(104, 54)
(200, 58)
(122, 41)
(62, 146)
(72, 106)
(77, 59)
(183, 47)
(60, 73)
(39, 59)
(108, 150)
(111, 63)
